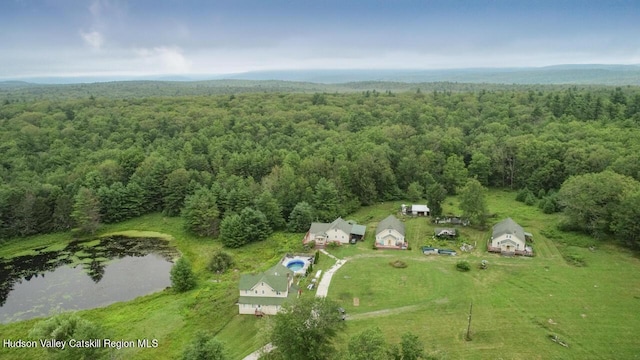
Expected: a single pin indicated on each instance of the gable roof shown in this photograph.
(276, 277)
(339, 223)
(508, 226)
(420, 208)
(390, 222)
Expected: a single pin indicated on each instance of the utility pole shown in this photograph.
(468, 337)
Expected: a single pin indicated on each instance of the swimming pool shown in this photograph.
(295, 265)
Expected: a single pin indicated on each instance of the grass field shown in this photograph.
(517, 302)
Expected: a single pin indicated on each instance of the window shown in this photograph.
(256, 291)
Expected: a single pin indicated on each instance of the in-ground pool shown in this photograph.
(295, 265)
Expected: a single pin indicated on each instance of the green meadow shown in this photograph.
(591, 305)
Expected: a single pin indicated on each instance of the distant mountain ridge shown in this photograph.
(580, 74)
(551, 75)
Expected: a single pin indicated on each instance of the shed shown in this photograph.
(420, 210)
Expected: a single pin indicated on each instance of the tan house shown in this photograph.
(509, 238)
(390, 234)
(264, 293)
(339, 231)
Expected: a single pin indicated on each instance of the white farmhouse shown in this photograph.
(509, 238)
(264, 293)
(390, 234)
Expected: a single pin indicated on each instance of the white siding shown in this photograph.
(508, 243)
(383, 237)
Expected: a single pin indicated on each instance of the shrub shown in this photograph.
(182, 277)
(463, 265)
(333, 245)
(70, 326)
(316, 257)
(398, 264)
(530, 199)
(220, 262)
(204, 347)
(522, 194)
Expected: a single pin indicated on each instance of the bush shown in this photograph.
(333, 245)
(463, 265)
(523, 194)
(530, 199)
(182, 277)
(204, 347)
(398, 264)
(316, 257)
(220, 262)
(69, 326)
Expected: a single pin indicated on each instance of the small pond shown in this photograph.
(82, 275)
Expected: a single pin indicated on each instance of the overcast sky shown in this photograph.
(147, 37)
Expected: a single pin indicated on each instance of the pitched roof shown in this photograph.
(390, 222)
(508, 226)
(339, 223)
(266, 300)
(358, 229)
(421, 208)
(276, 277)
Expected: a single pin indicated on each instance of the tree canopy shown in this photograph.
(271, 150)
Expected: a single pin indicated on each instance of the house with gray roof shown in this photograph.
(390, 234)
(264, 293)
(509, 238)
(338, 231)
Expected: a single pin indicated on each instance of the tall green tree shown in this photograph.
(436, 194)
(86, 211)
(314, 322)
(480, 167)
(368, 345)
(590, 200)
(624, 220)
(270, 207)
(201, 215)
(473, 202)
(326, 200)
(254, 224)
(232, 232)
(415, 191)
(454, 174)
(301, 217)
(175, 190)
(61, 218)
(182, 276)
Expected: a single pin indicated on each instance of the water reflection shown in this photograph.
(83, 275)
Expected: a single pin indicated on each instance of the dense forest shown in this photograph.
(268, 160)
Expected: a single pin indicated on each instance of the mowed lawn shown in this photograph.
(517, 302)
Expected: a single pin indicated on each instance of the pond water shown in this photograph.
(83, 275)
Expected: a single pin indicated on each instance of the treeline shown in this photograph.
(273, 161)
